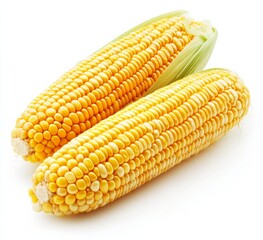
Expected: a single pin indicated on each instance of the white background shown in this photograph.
(217, 194)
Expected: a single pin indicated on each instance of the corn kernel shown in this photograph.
(95, 186)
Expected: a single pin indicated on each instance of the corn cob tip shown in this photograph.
(42, 192)
(40, 195)
(20, 147)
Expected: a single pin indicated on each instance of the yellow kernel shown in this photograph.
(23, 134)
(130, 152)
(90, 200)
(83, 167)
(31, 133)
(39, 147)
(63, 111)
(74, 118)
(95, 186)
(54, 167)
(89, 146)
(50, 120)
(83, 208)
(100, 155)
(40, 155)
(58, 117)
(44, 142)
(61, 182)
(87, 180)
(53, 177)
(81, 202)
(38, 137)
(94, 158)
(72, 188)
(92, 176)
(61, 161)
(71, 135)
(41, 116)
(124, 155)
(119, 158)
(63, 141)
(70, 177)
(98, 195)
(89, 164)
(79, 158)
(90, 195)
(34, 198)
(58, 199)
(109, 168)
(104, 186)
(63, 207)
(38, 128)
(77, 172)
(53, 129)
(106, 198)
(70, 199)
(103, 170)
(81, 195)
(40, 176)
(44, 125)
(111, 185)
(114, 147)
(62, 170)
(47, 207)
(132, 165)
(32, 143)
(52, 187)
(72, 163)
(81, 184)
(76, 105)
(50, 144)
(66, 127)
(61, 192)
(108, 150)
(33, 119)
(114, 163)
(119, 143)
(117, 182)
(50, 112)
(126, 167)
(84, 151)
(48, 150)
(96, 171)
(73, 152)
(56, 140)
(73, 207)
(124, 139)
(120, 172)
(27, 126)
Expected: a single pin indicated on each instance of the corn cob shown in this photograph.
(140, 142)
(109, 79)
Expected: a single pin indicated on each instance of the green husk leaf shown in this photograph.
(192, 58)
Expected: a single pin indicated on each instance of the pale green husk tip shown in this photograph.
(193, 57)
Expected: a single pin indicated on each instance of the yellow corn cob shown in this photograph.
(139, 143)
(109, 79)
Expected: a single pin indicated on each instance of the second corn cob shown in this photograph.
(145, 58)
(140, 142)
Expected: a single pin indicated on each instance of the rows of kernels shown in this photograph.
(99, 86)
(178, 137)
